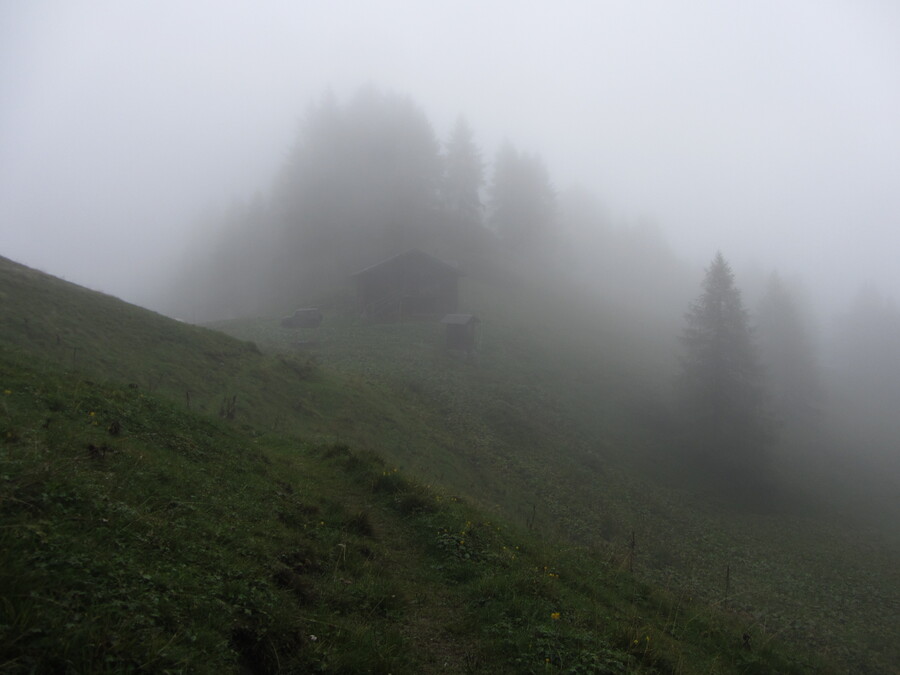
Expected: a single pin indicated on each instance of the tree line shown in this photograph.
(364, 180)
(745, 379)
(368, 178)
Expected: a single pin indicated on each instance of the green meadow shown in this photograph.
(355, 498)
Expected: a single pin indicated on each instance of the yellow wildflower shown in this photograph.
(554, 616)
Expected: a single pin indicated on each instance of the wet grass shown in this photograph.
(177, 500)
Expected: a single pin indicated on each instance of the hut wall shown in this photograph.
(412, 284)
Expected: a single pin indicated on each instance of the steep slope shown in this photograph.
(137, 536)
(146, 528)
(561, 422)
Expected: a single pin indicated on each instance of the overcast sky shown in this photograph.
(767, 129)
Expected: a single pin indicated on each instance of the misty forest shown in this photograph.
(417, 404)
(368, 179)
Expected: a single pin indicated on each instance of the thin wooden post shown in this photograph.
(631, 548)
(727, 583)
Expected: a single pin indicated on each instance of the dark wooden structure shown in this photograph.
(461, 331)
(409, 284)
(308, 317)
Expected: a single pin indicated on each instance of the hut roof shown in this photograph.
(460, 319)
(412, 253)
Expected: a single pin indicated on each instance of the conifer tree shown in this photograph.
(788, 353)
(463, 178)
(523, 202)
(721, 381)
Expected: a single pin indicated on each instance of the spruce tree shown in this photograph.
(463, 178)
(721, 381)
(788, 353)
(522, 200)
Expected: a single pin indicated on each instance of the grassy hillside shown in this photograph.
(175, 500)
(139, 536)
(561, 423)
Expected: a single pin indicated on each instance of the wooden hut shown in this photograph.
(306, 317)
(461, 331)
(409, 284)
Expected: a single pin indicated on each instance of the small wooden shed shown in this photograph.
(306, 317)
(461, 331)
(408, 284)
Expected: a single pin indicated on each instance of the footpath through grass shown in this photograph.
(559, 423)
(139, 536)
(230, 501)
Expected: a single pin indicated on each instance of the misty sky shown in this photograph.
(767, 129)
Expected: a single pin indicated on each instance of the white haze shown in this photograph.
(766, 129)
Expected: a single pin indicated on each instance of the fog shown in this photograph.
(767, 131)
(217, 160)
